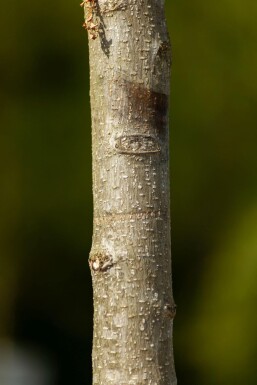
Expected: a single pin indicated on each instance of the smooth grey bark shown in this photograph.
(130, 259)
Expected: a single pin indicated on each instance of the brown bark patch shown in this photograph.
(170, 310)
(145, 107)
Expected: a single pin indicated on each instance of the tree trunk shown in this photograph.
(130, 259)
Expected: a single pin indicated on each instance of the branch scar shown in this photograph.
(137, 144)
(100, 262)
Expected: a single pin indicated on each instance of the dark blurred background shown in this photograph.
(46, 198)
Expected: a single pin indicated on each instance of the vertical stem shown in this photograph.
(130, 258)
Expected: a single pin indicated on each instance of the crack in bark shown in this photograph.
(110, 217)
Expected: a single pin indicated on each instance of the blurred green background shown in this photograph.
(46, 198)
